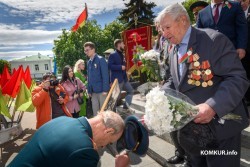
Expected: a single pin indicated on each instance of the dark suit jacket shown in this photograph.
(115, 64)
(248, 43)
(232, 23)
(229, 79)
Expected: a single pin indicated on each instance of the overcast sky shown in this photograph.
(28, 27)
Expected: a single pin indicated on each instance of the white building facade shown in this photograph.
(38, 65)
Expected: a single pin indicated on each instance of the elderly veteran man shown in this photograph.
(70, 142)
(205, 66)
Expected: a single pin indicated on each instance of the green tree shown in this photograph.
(68, 48)
(111, 32)
(2, 64)
(142, 9)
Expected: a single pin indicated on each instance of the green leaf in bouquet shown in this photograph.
(232, 116)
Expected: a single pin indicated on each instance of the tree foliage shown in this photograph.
(2, 64)
(142, 9)
(68, 48)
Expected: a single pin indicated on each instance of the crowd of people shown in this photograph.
(220, 44)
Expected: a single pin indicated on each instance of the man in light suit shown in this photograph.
(231, 22)
(218, 86)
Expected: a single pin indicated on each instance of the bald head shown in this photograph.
(113, 120)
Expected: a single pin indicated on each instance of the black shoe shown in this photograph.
(175, 160)
(185, 164)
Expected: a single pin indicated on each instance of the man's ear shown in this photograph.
(110, 131)
(183, 19)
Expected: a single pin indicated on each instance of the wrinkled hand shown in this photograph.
(60, 100)
(241, 53)
(122, 160)
(205, 114)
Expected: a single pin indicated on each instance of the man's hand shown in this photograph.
(241, 53)
(123, 68)
(104, 93)
(205, 114)
(122, 160)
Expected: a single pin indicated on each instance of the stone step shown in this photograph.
(161, 147)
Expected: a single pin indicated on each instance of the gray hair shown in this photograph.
(113, 120)
(175, 11)
(77, 64)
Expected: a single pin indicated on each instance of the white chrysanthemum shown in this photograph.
(158, 116)
(150, 55)
(178, 117)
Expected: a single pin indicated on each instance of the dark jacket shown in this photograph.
(115, 63)
(232, 23)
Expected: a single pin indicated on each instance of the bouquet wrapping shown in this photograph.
(168, 110)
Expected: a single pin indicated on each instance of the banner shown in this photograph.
(145, 35)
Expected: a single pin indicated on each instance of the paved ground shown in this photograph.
(11, 148)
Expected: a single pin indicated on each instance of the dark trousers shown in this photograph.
(246, 64)
(180, 152)
(231, 144)
(75, 114)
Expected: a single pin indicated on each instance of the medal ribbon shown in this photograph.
(205, 64)
(183, 58)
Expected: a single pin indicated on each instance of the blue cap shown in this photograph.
(134, 138)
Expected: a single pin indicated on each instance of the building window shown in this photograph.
(36, 67)
(46, 67)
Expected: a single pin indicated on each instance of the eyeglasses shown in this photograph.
(87, 50)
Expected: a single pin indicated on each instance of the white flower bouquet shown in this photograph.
(150, 65)
(168, 110)
(150, 55)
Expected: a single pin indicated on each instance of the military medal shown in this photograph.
(190, 81)
(196, 64)
(196, 57)
(208, 72)
(186, 56)
(210, 83)
(197, 83)
(204, 84)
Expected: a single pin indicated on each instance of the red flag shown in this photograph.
(81, 19)
(13, 85)
(142, 36)
(27, 79)
(14, 70)
(5, 76)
